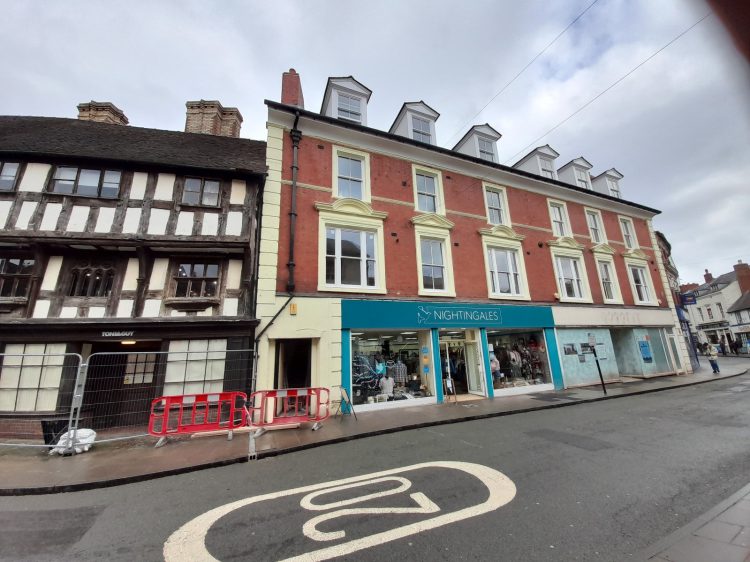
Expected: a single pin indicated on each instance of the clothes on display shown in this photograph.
(521, 361)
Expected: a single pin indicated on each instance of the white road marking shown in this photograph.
(306, 502)
(188, 542)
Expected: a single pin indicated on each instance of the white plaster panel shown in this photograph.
(230, 307)
(157, 221)
(27, 210)
(164, 187)
(35, 177)
(54, 264)
(184, 223)
(210, 224)
(96, 312)
(41, 309)
(234, 274)
(51, 214)
(591, 316)
(158, 274)
(4, 212)
(69, 312)
(125, 308)
(78, 217)
(178, 313)
(151, 308)
(130, 283)
(105, 219)
(132, 219)
(207, 312)
(234, 223)
(237, 196)
(138, 188)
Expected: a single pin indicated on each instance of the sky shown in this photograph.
(677, 128)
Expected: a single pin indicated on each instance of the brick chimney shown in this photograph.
(743, 276)
(688, 287)
(101, 112)
(708, 277)
(291, 89)
(211, 118)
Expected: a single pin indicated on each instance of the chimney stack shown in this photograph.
(708, 277)
(688, 287)
(743, 276)
(211, 118)
(101, 112)
(291, 89)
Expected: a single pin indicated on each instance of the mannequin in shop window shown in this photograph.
(399, 372)
(386, 386)
(379, 365)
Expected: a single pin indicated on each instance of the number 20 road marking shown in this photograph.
(188, 542)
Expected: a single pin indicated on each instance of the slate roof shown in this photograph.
(741, 303)
(52, 137)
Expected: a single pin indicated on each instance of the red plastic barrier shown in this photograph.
(195, 413)
(290, 405)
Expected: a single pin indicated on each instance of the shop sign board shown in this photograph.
(409, 314)
(645, 348)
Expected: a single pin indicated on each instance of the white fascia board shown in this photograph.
(373, 143)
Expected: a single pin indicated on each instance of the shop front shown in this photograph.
(627, 342)
(407, 353)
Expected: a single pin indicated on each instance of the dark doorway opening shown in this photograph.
(121, 382)
(293, 363)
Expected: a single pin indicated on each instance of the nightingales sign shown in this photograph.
(438, 315)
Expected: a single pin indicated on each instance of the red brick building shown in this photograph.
(384, 255)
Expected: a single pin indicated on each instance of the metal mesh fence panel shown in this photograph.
(37, 383)
(120, 387)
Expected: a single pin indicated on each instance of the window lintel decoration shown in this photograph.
(604, 249)
(502, 231)
(434, 220)
(636, 254)
(352, 207)
(565, 242)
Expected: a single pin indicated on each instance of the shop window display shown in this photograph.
(386, 367)
(518, 359)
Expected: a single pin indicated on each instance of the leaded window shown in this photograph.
(91, 280)
(197, 279)
(68, 180)
(15, 277)
(200, 191)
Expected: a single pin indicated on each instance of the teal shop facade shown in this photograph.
(438, 351)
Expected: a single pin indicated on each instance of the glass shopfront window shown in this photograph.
(388, 366)
(518, 359)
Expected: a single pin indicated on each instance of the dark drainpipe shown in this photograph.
(296, 135)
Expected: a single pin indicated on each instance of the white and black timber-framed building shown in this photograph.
(125, 239)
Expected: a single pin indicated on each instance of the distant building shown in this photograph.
(722, 306)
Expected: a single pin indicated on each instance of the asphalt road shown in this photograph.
(597, 481)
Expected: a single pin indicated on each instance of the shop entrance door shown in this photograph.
(474, 373)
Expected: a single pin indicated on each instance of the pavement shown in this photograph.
(26, 471)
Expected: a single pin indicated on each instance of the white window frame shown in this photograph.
(721, 309)
(649, 282)
(586, 180)
(600, 223)
(418, 132)
(503, 196)
(622, 220)
(709, 312)
(442, 235)
(565, 218)
(616, 293)
(543, 171)
(492, 153)
(558, 252)
(503, 238)
(364, 157)
(363, 234)
(351, 96)
(356, 215)
(439, 197)
(613, 186)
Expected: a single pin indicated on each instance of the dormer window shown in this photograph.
(614, 187)
(421, 130)
(547, 168)
(486, 149)
(349, 108)
(582, 179)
